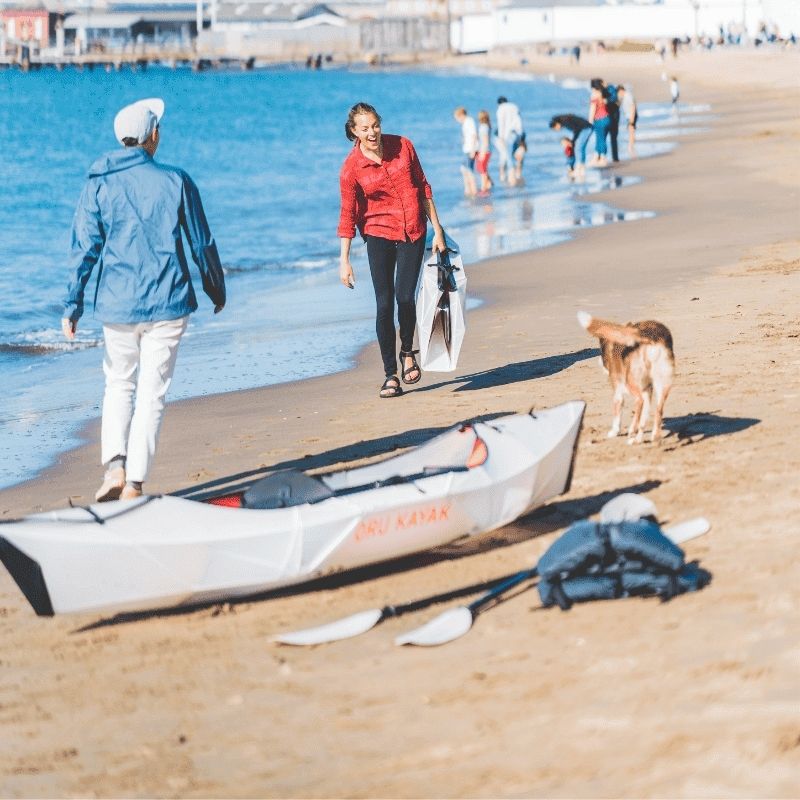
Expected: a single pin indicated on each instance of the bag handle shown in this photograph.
(447, 280)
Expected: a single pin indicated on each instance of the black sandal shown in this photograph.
(392, 386)
(414, 366)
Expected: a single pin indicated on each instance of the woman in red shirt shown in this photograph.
(386, 196)
(601, 120)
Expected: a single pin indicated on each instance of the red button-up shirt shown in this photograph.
(386, 199)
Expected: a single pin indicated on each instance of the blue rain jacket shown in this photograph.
(128, 225)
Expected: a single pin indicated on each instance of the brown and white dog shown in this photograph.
(639, 360)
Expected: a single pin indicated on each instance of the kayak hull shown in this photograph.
(165, 551)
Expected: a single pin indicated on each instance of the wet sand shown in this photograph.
(694, 698)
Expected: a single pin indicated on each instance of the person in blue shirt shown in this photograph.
(128, 231)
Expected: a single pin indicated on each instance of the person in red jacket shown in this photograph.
(386, 196)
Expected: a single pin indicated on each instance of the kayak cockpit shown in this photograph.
(456, 448)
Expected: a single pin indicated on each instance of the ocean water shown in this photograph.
(265, 149)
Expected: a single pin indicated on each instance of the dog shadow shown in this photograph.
(514, 373)
(546, 519)
(693, 428)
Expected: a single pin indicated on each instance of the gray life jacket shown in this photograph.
(593, 561)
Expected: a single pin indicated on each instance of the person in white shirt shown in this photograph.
(674, 89)
(469, 148)
(628, 113)
(511, 133)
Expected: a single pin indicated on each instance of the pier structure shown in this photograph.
(117, 61)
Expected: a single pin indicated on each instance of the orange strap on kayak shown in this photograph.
(479, 454)
(227, 500)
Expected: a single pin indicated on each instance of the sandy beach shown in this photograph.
(693, 698)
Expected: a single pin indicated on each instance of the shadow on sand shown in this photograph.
(702, 425)
(549, 518)
(514, 373)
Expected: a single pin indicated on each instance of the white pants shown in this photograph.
(132, 431)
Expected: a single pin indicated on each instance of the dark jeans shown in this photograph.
(613, 133)
(389, 284)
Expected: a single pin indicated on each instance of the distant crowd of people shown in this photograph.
(732, 34)
(508, 138)
(612, 107)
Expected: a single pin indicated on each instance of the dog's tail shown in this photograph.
(626, 335)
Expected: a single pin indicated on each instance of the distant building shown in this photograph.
(267, 17)
(28, 26)
(278, 30)
(518, 22)
(118, 30)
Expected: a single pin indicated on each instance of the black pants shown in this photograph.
(389, 284)
(613, 133)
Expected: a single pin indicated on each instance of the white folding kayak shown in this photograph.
(291, 527)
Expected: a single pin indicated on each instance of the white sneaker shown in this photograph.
(113, 484)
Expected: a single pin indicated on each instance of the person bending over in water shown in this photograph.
(580, 130)
(385, 195)
(511, 133)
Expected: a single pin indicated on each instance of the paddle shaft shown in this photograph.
(514, 580)
(424, 602)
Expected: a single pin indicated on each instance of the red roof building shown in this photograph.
(27, 25)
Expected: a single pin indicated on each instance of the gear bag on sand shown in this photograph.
(593, 561)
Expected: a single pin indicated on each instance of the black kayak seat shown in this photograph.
(284, 489)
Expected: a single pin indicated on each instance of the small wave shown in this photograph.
(512, 76)
(309, 264)
(32, 347)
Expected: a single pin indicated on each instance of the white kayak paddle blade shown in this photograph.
(685, 531)
(627, 506)
(450, 625)
(344, 628)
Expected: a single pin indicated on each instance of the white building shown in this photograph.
(277, 30)
(567, 21)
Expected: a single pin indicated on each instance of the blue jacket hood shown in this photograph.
(118, 160)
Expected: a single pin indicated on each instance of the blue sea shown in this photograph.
(265, 149)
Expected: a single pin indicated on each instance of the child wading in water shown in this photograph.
(569, 152)
(484, 151)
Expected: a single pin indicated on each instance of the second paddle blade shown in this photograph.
(344, 628)
(447, 626)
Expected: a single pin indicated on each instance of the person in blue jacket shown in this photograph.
(127, 230)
